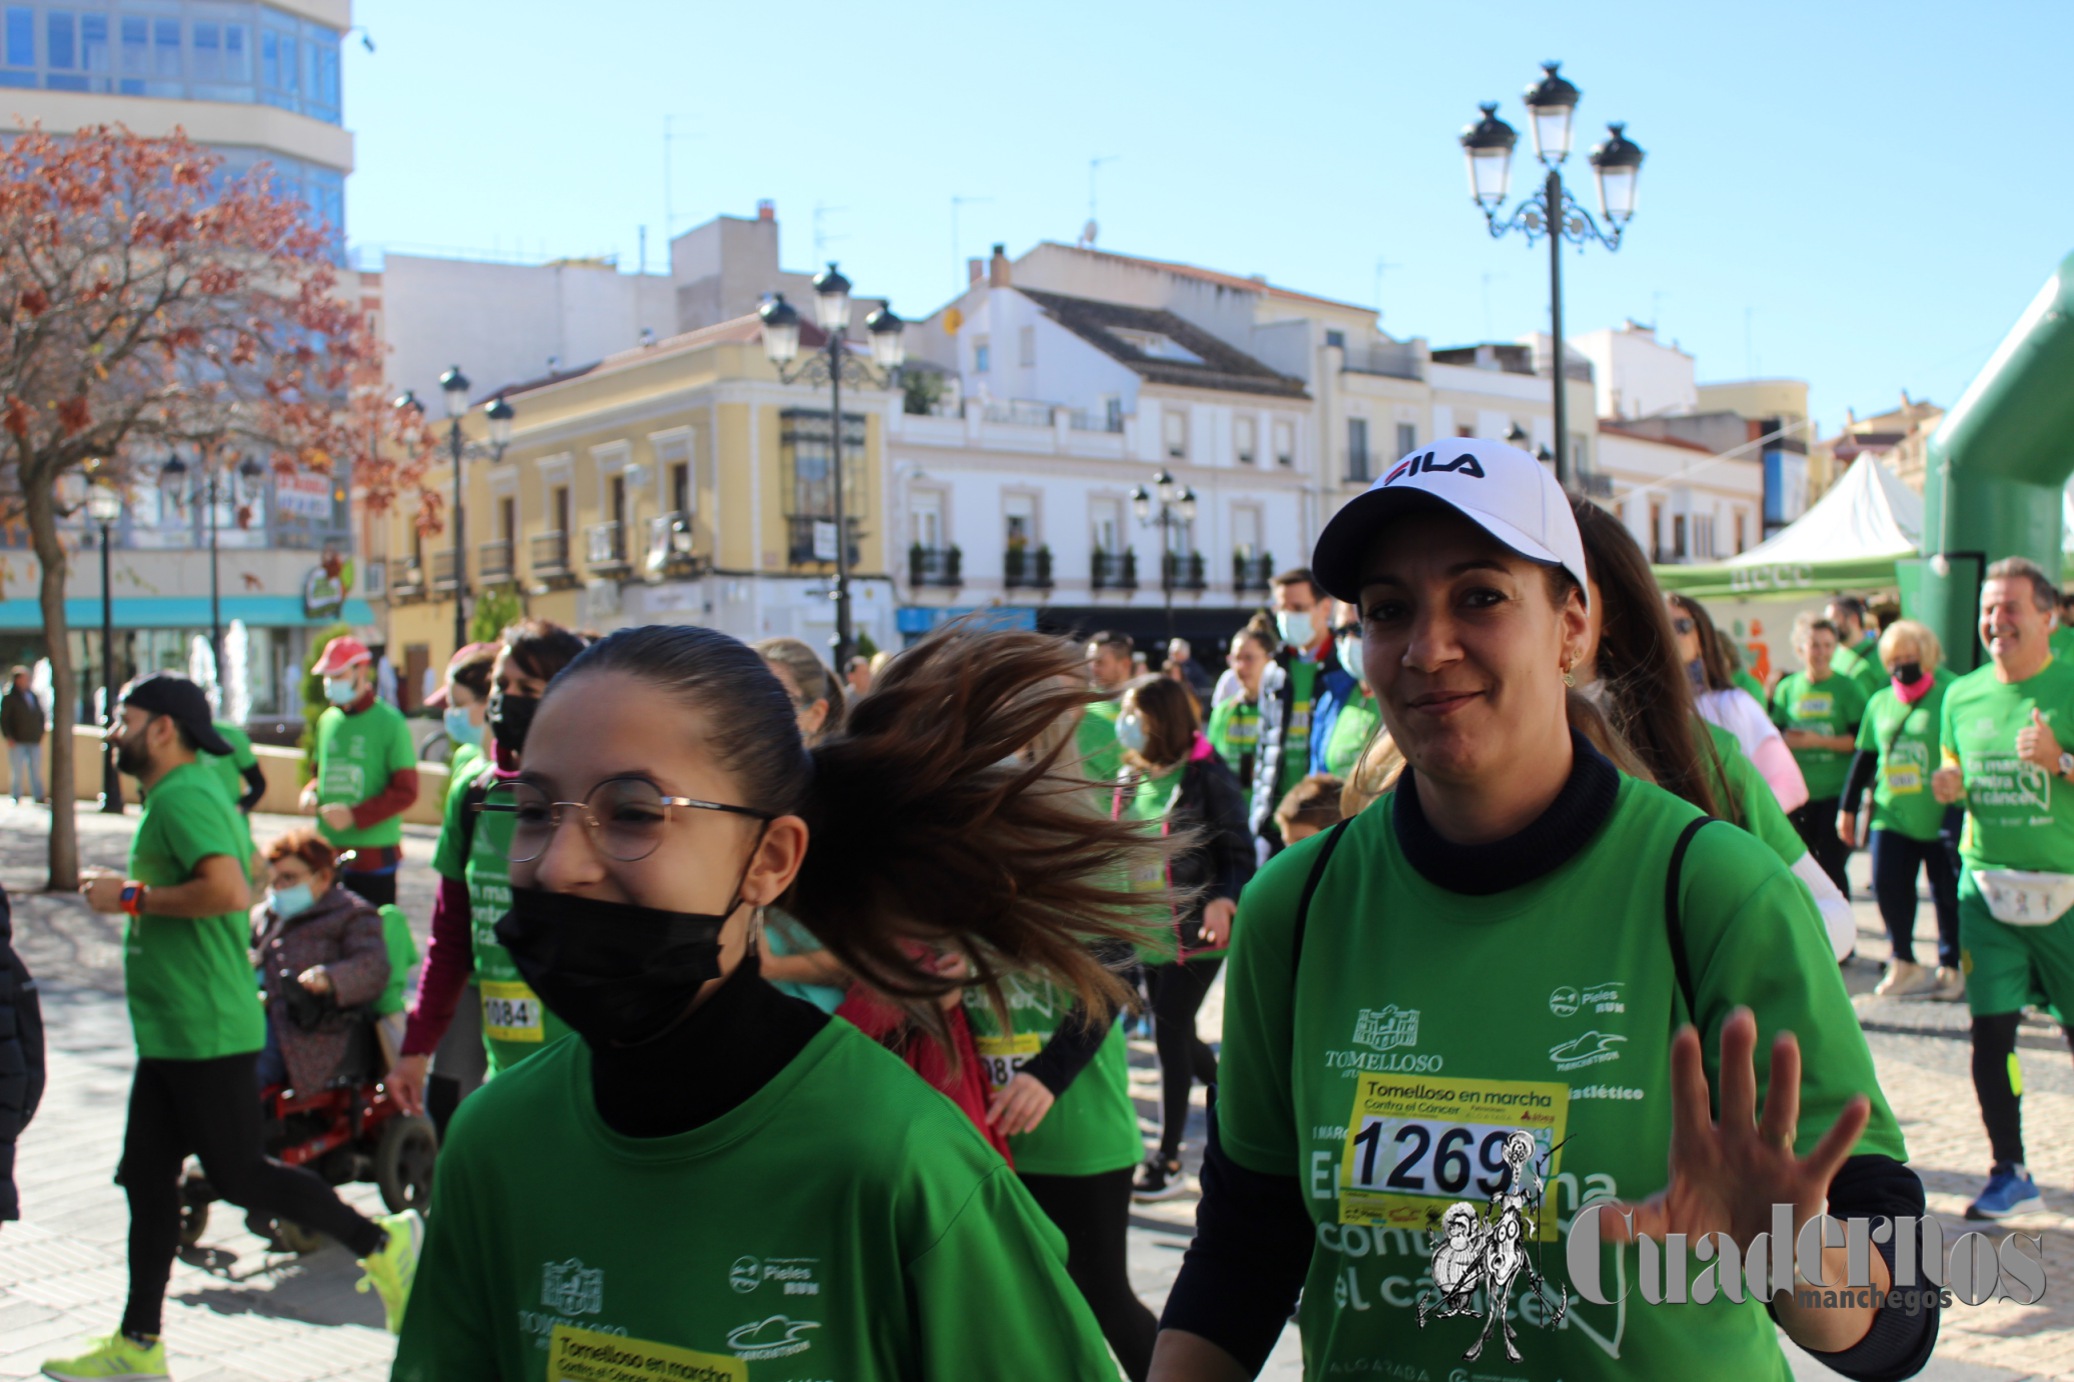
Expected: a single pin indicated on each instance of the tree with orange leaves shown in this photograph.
(147, 303)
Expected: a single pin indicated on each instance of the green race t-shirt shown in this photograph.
(2061, 641)
(1834, 705)
(515, 1023)
(1905, 740)
(463, 764)
(1150, 800)
(1757, 807)
(1093, 1127)
(847, 1221)
(2019, 815)
(1422, 1028)
(1235, 734)
(1749, 683)
(356, 756)
(1351, 732)
(229, 773)
(189, 979)
(1296, 730)
(1871, 671)
(1101, 756)
(403, 953)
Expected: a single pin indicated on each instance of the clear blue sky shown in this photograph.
(1858, 194)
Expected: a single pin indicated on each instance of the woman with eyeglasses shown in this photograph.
(1721, 702)
(719, 1180)
(1519, 997)
(473, 863)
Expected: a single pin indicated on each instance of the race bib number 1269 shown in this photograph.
(1416, 1144)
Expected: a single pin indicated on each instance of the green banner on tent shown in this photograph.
(1784, 581)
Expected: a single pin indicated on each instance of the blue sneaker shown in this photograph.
(2010, 1190)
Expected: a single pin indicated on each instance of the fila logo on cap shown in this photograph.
(1424, 463)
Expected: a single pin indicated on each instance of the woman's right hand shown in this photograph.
(1847, 828)
(406, 1082)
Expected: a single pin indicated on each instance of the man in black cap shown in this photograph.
(199, 1026)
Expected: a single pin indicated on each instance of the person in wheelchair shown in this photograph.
(322, 961)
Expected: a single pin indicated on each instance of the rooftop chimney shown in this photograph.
(975, 270)
(766, 209)
(997, 268)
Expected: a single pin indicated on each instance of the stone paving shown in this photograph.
(62, 1274)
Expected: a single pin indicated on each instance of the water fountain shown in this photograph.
(237, 673)
(201, 670)
(40, 683)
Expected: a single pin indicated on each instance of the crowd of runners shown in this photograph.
(773, 1023)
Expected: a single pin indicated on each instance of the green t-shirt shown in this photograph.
(1749, 683)
(403, 953)
(1101, 757)
(1834, 705)
(1351, 732)
(465, 760)
(1905, 739)
(229, 773)
(847, 1221)
(189, 979)
(1757, 806)
(356, 756)
(2018, 814)
(1296, 730)
(1235, 734)
(2061, 641)
(1093, 1127)
(1422, 1027)
(1150, 801)
(515, 1023)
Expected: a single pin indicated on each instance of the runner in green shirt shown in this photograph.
(195, 1008)
(463, 701)
(1109, 669)
(1235, 723)
(1857, 644)
(237, 772)
(367, 772)
(2003, 734)
(1899, 747)
(1466, 1010)
(1818, 711)
(805, 1207)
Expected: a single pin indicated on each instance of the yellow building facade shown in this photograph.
(679, 482)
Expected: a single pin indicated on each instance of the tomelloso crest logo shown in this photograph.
(1388, 1029)
(1427, 463)
(571, 1288)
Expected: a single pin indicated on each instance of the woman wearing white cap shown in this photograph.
(1518, 940)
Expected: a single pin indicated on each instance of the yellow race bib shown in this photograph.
(584, 1355)
(511, 1011)
(1417, 1143)
(1002, 1056)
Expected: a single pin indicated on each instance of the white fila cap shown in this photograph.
(1499, 488)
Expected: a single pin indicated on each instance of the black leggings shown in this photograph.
(1094, 1213)
(1816, 824)
(1185, 1059)
(378, 888)
(209, 1108)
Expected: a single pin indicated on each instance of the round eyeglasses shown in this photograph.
(626, 816)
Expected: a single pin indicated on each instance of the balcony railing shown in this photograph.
(1019, 412)
(1182, 571)
(550, 554)
(811, 539)
(406, 579)
(443, 570)
(934, 565)
(1085, 420)
(672, 547)
(1115, 571)
(1251, 573)
(1028, 570)
(493, 559)
(605, 546)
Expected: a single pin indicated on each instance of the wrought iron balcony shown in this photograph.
(1182, 571)
(550, 554)
(811, 539)
(934, 566)
(1026, 568)
(1115, 570)
(493, 560)
(1251, 573)
(672, 546)
(406, 579)
(443, 570)
(605, 546)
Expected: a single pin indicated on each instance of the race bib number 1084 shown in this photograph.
(1416, 1144)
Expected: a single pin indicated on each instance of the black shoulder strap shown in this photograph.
(1310, 888)
(1674, 926)
(472, 796)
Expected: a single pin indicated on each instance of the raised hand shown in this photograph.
(2035, 743)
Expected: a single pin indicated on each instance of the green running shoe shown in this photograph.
(394, 1266)
(113, 1359)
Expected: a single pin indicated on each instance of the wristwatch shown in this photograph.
(2066, 764)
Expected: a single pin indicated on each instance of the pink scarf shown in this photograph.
(1910, 694)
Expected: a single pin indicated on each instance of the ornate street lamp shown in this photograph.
(104, 507)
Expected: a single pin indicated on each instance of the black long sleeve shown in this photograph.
(1865, 766)
(1900, 1340)
(1229, 842)
(255, 788)
(1252, 1249)
(1068, 1052)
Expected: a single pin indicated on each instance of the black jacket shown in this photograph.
(21, 1057)
(1221, 863)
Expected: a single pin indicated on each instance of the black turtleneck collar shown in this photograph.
(709, 1064)
(1552, 840)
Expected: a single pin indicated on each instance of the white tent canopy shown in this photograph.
(1869, 513)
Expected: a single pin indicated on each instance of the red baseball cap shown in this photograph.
(437, 699)
(342, 654)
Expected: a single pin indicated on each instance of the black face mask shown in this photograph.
(510, 717)
(1908, 673)
(617, 973)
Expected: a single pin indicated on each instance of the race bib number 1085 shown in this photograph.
(1416, 1144)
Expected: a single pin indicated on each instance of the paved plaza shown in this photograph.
(62, 1272)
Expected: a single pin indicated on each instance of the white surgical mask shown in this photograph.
(339, 690)
(1349, 648)
(1296, 628)
(460, 729)
(1130, 733)
(288, 902)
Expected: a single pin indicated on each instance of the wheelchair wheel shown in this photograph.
(403, 1163)
(194, 1221)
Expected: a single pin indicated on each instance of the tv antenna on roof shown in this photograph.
(1094, 165)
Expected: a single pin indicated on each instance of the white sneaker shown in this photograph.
(1904, 979)
(1951, 985)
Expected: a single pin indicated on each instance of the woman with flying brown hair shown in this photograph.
(815, 1199)
(1721, 702)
